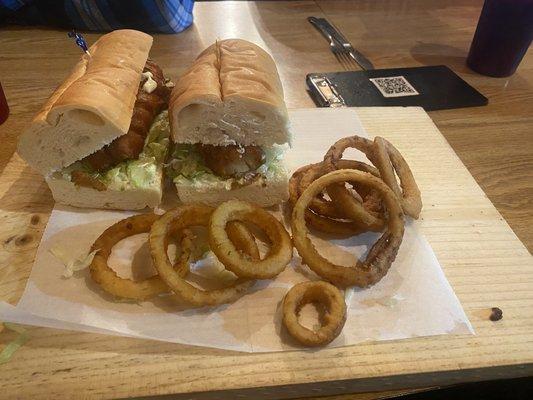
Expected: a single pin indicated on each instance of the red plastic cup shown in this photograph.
(4, 109)
(503, 34)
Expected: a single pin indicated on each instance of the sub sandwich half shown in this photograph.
(230, 127)
(102, 137)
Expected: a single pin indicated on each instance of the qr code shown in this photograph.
(394, 86)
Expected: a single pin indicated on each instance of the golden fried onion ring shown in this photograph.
(332, 321)
(243, 240)
(389, 160)
(317, 221)
(344, 202)
(277, 258)
(351, 206)
(382, 253)
(319, 205)
(329, 208)
(356, 211)
(180, 218)
(128, 288)
(333, 156)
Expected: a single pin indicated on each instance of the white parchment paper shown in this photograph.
(413, 299)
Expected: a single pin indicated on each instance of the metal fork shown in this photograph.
(342, 54)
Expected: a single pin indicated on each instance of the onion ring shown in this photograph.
(389, 160)
(185, 257)
(332, 321)
(277, 258)
(334, 154)
(108, 279)
(179, 218)
(243, 240)
(337, 227)
(352, 208)
(329, 208)
(382, 253)
(319, 222)
(319, 205)
(343, 201)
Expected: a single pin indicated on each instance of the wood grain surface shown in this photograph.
(484, 261)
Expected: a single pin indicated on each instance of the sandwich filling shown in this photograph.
(152, 98)
(142, 172)
(132, 159)
(205, 166)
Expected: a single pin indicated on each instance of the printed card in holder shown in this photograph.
(433, 88)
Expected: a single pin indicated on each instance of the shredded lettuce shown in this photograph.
(10, 349)
(186, 167)
(210, 267)
(140, 173)
(72, 264)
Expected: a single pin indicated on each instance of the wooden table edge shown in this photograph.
(361, 385)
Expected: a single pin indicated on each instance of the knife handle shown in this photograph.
(332, 31)
(335, 36)
(316, 22)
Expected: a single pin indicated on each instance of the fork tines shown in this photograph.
(343, 57)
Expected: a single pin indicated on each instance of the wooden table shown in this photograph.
(494, 142)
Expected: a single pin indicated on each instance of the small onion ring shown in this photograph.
(382, 253)
(314, 292)
(389, 160)
(277, 258)
(109, 280)
(179, 218)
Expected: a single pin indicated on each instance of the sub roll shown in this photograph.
(102, 137)
(230, 127)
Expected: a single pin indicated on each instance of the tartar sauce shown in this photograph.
(150, 85)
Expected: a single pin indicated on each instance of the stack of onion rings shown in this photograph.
(381, 255)
(324, 215)
(362, 197)
(171, 277)
(376, 203)
(180, 218)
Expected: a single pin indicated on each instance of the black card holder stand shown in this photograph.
(433, 88)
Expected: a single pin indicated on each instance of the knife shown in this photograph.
(328, 31)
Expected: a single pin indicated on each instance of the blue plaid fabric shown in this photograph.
(165, 16)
